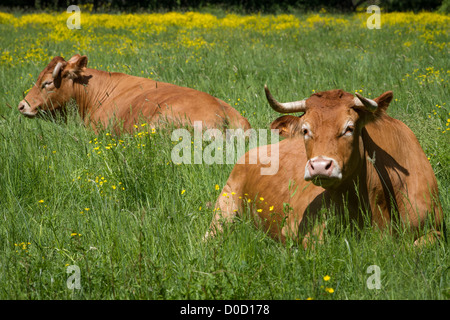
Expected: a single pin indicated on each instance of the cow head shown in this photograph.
(54, 86)
(331, 127)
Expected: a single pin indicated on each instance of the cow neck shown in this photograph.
(352, 193)
(372, 166)
(91, 91)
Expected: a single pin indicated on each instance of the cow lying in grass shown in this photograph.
(111, 98)
(343, 151)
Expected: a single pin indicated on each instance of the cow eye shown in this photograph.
(46, 83)
(349, 131)
(305, 131)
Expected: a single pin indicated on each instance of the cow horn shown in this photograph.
(56, 70)
(287, 107)
(360, 101)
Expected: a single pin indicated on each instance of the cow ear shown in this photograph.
(288, 126)
(75, 66)
(381, 105)
(384, 100)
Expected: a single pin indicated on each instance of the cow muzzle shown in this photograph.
(322, 170)
(26, 109)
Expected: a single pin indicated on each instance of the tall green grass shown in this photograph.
(120, 213)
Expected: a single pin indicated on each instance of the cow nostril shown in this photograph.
(21, 106)
(328, 166)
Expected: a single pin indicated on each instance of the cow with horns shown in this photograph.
(343, 151)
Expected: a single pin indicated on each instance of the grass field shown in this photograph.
(132, 221)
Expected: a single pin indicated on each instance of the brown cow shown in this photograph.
(344, 151)
(107, 98)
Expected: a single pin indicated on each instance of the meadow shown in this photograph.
(132, 221)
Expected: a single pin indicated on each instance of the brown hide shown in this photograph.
(110, 98)
(339, 149)
(269, 199)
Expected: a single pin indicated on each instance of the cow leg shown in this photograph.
(313, 222)
(315, 237)
(312, 238)
(422, 213)
(428, 239)
(226, 208)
